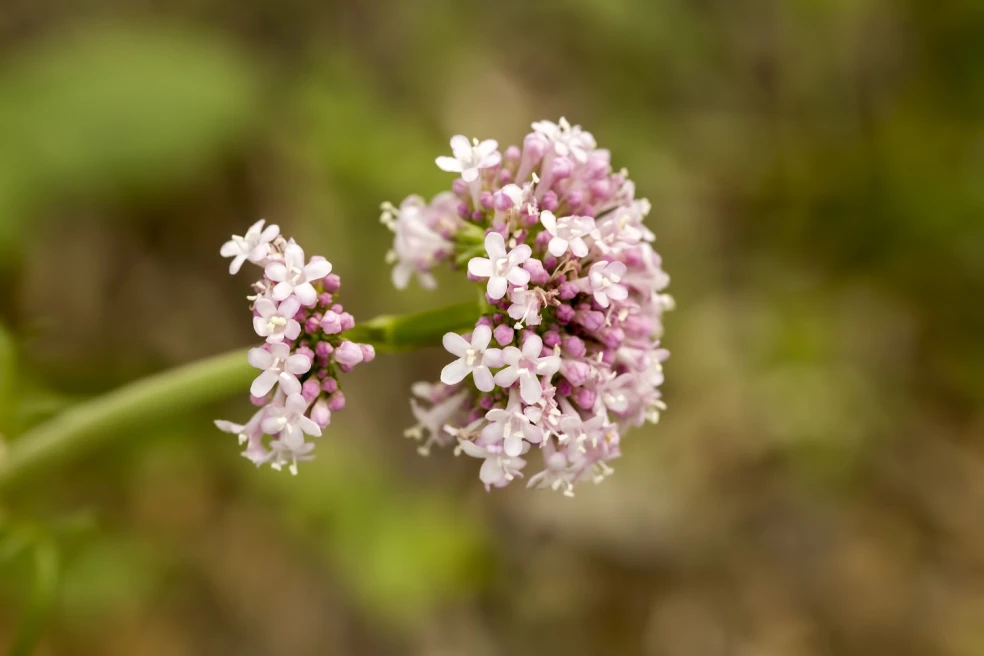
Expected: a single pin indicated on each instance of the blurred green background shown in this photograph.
(816, 169)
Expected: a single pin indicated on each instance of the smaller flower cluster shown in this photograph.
(296, 310)
(574, 302)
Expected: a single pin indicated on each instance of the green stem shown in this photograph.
(156, 397)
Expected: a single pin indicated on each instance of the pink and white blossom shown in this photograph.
(470, 157)
(253, 246)
(604, 281)
(501, 267)
(527, 366)
(474, 358)
(294, 275)
(276, 322)
(567, 233)
(278, 366)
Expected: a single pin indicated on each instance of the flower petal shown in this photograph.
(260, 358)
(454, 372)
(557, 246)
(497, 287)
(461, 146)
(298, 364)
(530, 388)
(495, 245)
(549, 221)
(483, 379)
(229, 249)
(481, 337)
(506, 377)
(276, 271)
(263, 383)
(470, 174)
(236, 264)
(480, 267)
(518, 276)
(449, 164)
(317, 269)
(305, 293)
(455, 344)
(513, 446)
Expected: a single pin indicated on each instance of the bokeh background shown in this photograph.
(816, 169)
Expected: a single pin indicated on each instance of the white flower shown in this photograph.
(527, 366)
(567, 139)
(603, 281)
(511, 425)
(469, 157)
(474, 358)
(434, 419)
(253, 246)
(277, 322)
(501, 267)
(577, 432)
(557, 473)
(293, 276)
(278, 365)
(498, 470)
(289, 422)
(416, 246)
(525, 307)
(245, 433)
(568, 233)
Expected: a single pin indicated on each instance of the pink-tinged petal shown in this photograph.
(317, 269)
(470, 174)
(449, 164)
(298, 364)
(492, 358)
(549, 221)
(261, 326)
(273, 425)
(490, 161)
(511, 355)
(548, 366)
(520, 254)
(617, 292)
(236, 264)
(401, 275)
(454, 373)
(265, 307)
(270, 233)
(461, 146)
(308, 426)
(289, 307)
(282, 290)
(260, 358)
(495, 245)
(557, 246)
(532, 347)
(533, 434)
(292, 438)
(506, 377)
(481, 337)
(491, 473)
(483, 379)
(518, 276)
(513, 446)
(497, 287)
(578, 247)
(256, 227)
(263, 384)
(480, 267)
(295, 403)
(616, 268)
(530, 388)
(472, 449)
(305, 293)
(229, 249)
(276, 271)
(229, 427)
(294, 256)
(455, 344)
(289, 383)
(280, 351)
(601, 298)
(292, 330)
(259, 253)
(487, 147)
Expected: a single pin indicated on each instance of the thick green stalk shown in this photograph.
(156, 397)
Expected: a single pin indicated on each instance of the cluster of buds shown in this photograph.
(574, 295)
(296, 311)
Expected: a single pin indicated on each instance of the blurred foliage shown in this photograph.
(815, 167)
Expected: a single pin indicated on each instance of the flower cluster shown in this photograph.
(296, 311)
(574, 298)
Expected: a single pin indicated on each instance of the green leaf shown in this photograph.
(46, 563)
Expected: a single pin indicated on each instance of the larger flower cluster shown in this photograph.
(296, 311)
(575, 301)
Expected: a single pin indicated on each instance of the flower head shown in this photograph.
(253, 246)
(575, 299)
(304, 353)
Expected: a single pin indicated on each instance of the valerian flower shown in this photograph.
(253, 246)
(501, 267)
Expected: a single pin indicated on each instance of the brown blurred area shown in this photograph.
(816, 169)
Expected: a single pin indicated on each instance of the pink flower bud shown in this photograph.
(347, 321)
(585, 398)
(576, 372)
(329, 385)
(550, 201)
(321, 414)
(567, 291)
(574, 346)
(551, 339)
(564, 388)
(504, 334)
(310, 389)
(332, 283)
(331, 323)
(538, 275)
(336, 401)
(565, 313)
(486, 200)
(368, 352)
(348, 354)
